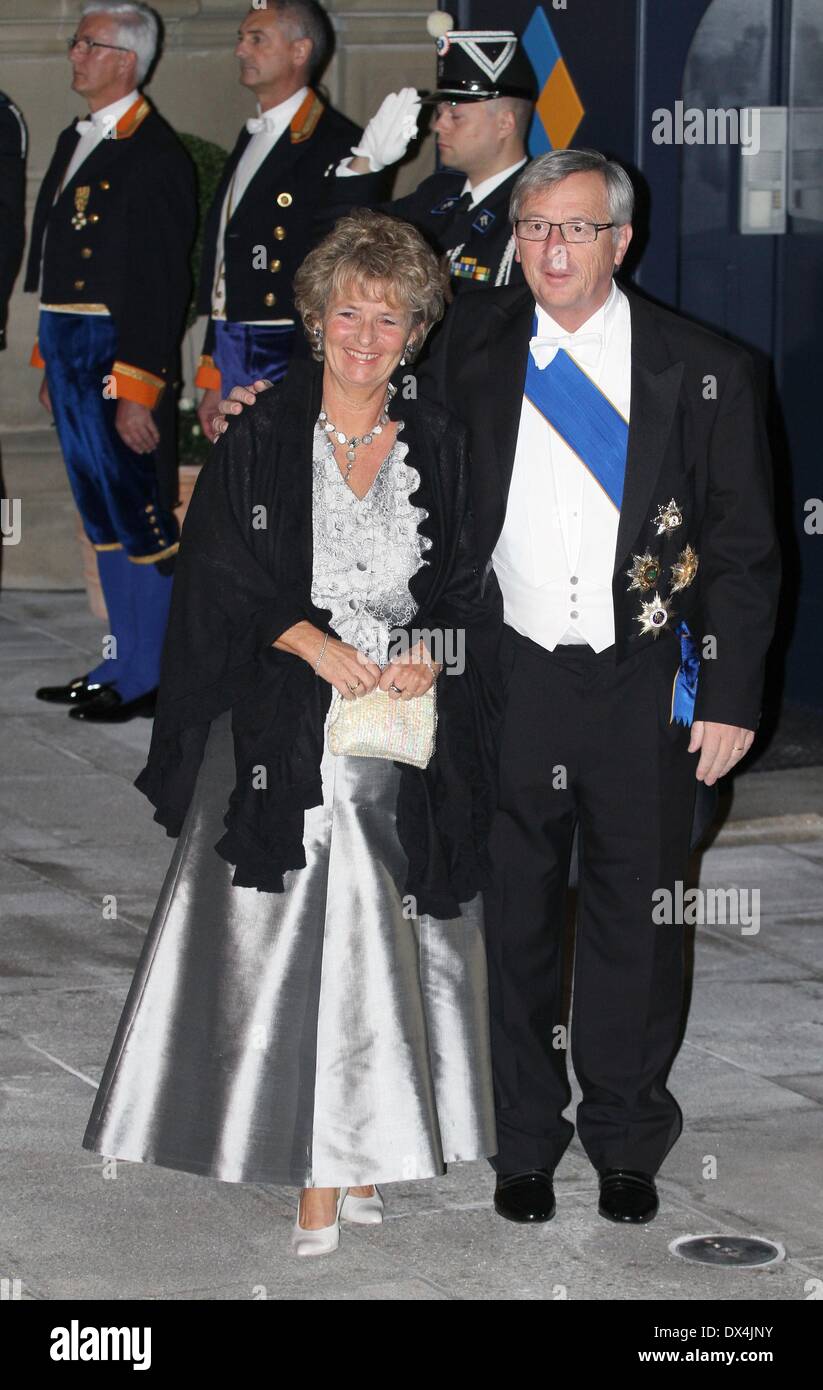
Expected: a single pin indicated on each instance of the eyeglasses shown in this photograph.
(536, 229)
(86, 45)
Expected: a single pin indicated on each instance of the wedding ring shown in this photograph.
(395, 688)
(738, 748)
(352, 688)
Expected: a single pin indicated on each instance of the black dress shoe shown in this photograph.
(77, 692)
(525, 1196)
(110, 708)
(627, 1195)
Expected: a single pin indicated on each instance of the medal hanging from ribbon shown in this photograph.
(81, 202)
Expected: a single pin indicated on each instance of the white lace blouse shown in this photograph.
(366, 550)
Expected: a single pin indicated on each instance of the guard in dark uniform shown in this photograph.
(13, 146)
(484, 97)
(111, 237)
(269, 207)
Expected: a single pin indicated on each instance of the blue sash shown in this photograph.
(583, 417)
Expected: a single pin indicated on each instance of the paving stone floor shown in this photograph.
(749, 1076)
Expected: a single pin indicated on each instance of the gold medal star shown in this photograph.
(645, 572)
(684, 570)
(668, 518)
(654, 615)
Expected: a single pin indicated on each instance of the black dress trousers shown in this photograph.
(587, 741)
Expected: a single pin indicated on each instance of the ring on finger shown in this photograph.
(395, 688)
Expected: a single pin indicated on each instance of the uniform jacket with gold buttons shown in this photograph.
(119, 234)
(284, 210)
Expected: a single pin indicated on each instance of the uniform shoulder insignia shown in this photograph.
(305, 118)
(132, 119)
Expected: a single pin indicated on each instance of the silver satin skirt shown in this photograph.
(317, 1037)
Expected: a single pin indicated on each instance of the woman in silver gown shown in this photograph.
(323, 1027)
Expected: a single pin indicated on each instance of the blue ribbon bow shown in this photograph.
(685, 682)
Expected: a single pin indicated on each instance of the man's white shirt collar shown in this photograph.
(598, 322)
(277, 117)
(482, 190)
(107, 116)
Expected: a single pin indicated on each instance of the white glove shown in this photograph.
(394, 124)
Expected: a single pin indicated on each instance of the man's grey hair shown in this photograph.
(135, 27)
(549, 169)
(306, 19)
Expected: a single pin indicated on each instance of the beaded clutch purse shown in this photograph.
(376, 726)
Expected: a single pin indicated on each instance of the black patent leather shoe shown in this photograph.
(525, 1196)
(627, 1195)
(77, 692)
(110, 708)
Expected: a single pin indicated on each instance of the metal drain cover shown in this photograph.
(732, 1252)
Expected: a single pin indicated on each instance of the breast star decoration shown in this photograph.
(645, 572)
(654, 615)
(684, 569)
(668, 518)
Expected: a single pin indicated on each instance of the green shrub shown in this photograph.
(208, 160)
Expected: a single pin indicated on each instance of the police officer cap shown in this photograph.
(478, 64)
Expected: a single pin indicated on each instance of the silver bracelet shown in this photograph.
(320, 658)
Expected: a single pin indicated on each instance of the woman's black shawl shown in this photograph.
(243, 575)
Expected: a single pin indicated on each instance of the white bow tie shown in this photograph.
(86, 127)
(583, 347)
(255, 125)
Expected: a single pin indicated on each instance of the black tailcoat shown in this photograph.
(696, 435)
(696, 441)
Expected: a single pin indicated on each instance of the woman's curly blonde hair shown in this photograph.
(381, 256)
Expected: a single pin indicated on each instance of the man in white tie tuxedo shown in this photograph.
(621, 485)
(622, 498)
(269, 207)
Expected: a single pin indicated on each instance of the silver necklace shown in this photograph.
(353, 443)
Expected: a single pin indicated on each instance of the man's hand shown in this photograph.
(206, 412)
(233, 404)
(387, 135)
(43, 395)
(136, 427)
(721, 747)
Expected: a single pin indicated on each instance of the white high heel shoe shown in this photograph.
(364, 1211)
(321, 1241)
